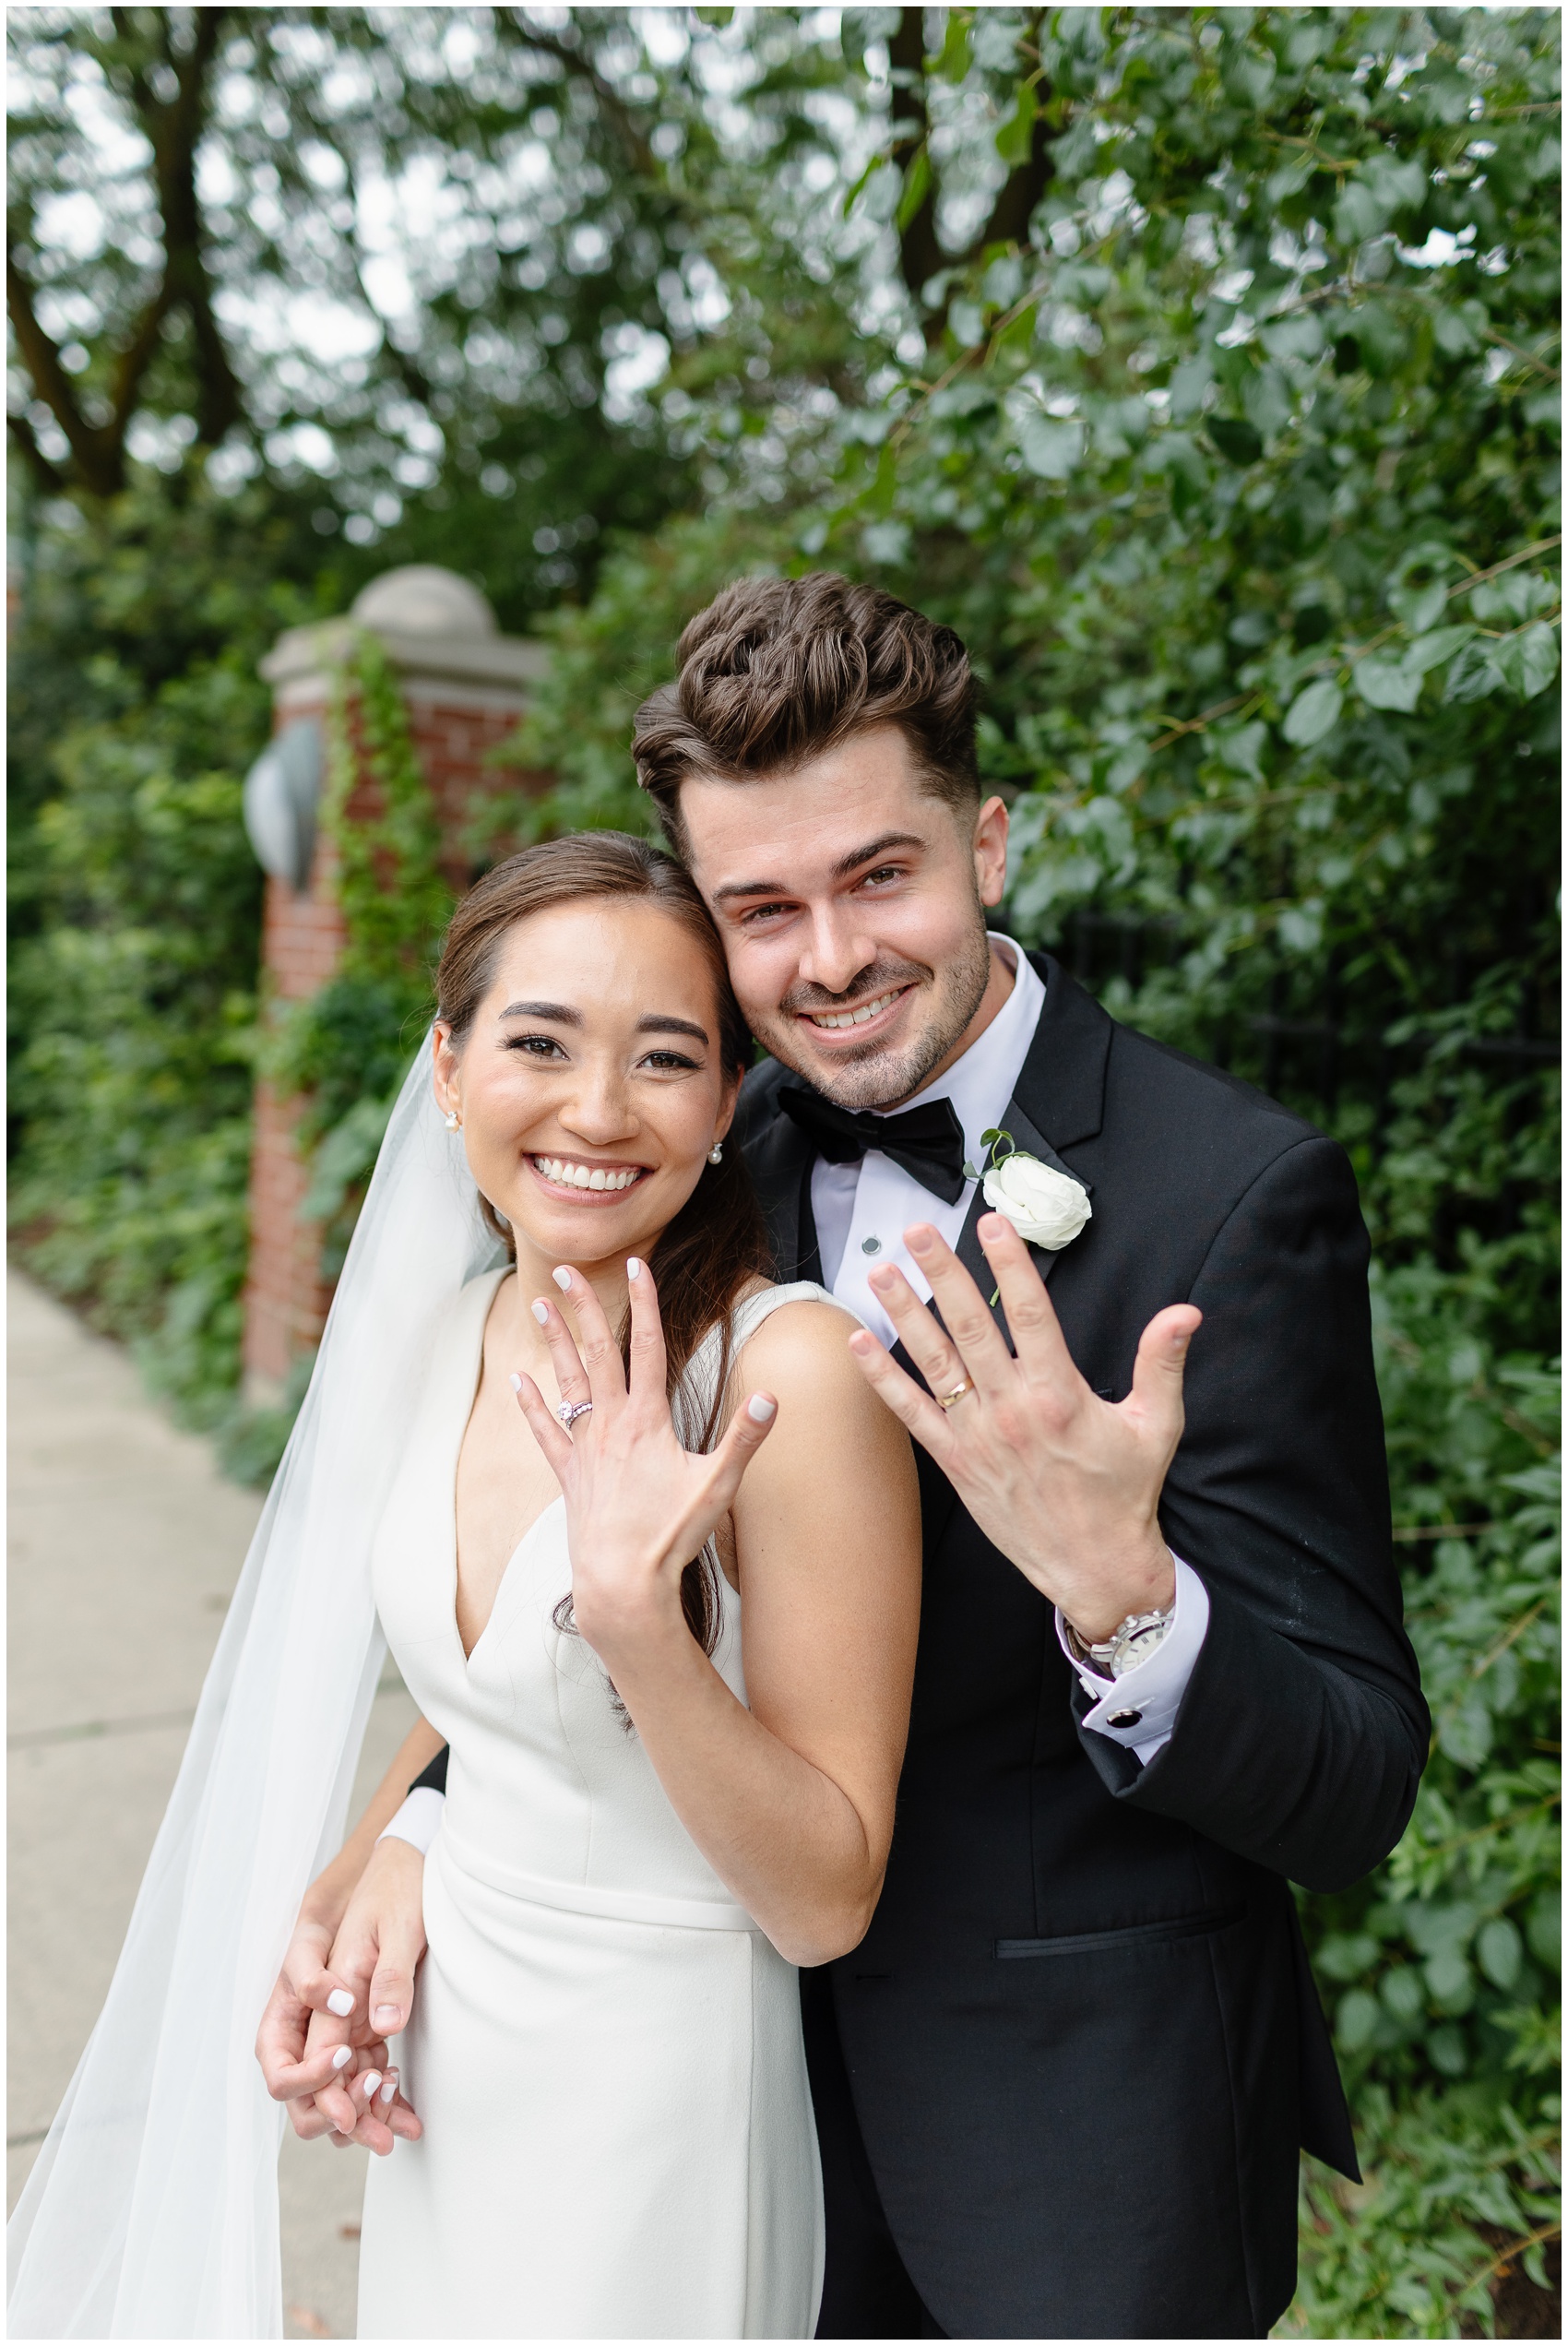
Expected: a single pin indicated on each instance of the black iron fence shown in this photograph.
(1311, 1055)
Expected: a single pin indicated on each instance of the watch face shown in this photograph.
(1137, 1648)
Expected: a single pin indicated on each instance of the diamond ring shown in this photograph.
(569, 1411)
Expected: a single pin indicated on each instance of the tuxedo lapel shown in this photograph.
(1060, 1092)
(1030, 1143)
(1062, 1088)
(808, 1247)
(969, 1252)
(780, 1159)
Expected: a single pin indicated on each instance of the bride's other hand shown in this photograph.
(639, 1505)
(376, 1953)
(375, 2104)
(294, 2069)
(294, 2045)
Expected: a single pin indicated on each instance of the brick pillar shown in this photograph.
(466, 687)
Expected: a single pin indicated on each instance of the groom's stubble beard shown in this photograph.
(879, 1074)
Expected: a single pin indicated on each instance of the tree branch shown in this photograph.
(919, 254)
(611, 104)
(175, 132)
(1023, 187)
(47, 474)
(174, 128)
(98, 449)
(415, 381)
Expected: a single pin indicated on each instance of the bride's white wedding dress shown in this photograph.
(605, 2049)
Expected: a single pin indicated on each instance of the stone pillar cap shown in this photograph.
(430, 623)
(423, 599)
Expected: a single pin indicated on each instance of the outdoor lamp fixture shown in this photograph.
(282, 792)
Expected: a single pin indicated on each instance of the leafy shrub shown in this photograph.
(135, 906)
(132, 1007)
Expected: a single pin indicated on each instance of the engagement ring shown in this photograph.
(569, 1411)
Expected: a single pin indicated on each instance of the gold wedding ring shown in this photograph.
(945, 1400)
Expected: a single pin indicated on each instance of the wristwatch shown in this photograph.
(1128, 1645)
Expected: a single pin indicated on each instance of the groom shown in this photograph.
(1061, 2084)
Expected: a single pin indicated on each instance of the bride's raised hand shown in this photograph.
(639, 1505)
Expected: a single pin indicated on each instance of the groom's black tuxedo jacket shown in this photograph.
(1081, 2033)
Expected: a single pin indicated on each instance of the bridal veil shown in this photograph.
(152, 2211)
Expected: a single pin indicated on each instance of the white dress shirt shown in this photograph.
(861, 1211)
(419, 1820)
(1139, 1709)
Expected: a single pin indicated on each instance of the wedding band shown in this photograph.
(569, 1411)
(945, 1400)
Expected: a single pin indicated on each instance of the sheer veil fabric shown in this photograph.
(152, 2211)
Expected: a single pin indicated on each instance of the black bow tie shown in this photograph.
(928, 1142)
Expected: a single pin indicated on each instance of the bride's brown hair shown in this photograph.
(717, 1246)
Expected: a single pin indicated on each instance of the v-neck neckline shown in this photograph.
(548, 1507)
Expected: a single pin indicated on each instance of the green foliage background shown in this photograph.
(135, 908)
(1240, 477)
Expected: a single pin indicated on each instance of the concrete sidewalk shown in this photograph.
(125, 1546)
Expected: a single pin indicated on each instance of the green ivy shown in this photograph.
(380, 815)
(343, 1053)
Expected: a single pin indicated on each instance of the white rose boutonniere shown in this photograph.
(1046, 1207)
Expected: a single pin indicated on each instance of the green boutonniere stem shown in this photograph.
(992, 1140)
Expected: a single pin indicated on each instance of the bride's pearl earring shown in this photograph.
(453, 1120)
(716, 1154)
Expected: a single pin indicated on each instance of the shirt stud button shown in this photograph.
(871, 1246)
(1123, 1717)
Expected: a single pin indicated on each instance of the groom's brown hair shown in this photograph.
(777, 670)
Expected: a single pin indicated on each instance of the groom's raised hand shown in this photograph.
(1066, 1485)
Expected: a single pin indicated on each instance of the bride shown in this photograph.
(560, 1478)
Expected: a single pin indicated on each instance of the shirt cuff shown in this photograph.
(1139, 1711)
(419, 1820)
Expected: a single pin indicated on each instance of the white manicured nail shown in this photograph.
(516, 1382)
(634, 1269)
(372, 2079)
(342, 2057)
(541, 1313)
(340, 2002)
(387, 2016)
(760, 1407)
(389, 2090)
(562, 1278)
